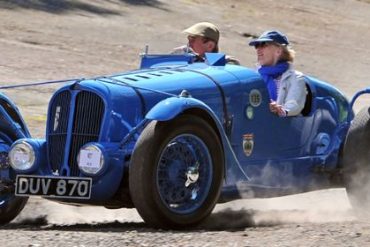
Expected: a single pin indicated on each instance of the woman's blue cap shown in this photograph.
(271, 36)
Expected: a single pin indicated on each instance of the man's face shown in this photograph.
(200, 45)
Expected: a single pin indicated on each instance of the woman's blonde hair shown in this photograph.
(287, 54)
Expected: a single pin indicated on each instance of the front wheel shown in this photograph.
(176, 172)
(356, 157)
(10, 205)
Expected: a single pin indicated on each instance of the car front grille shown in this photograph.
(74, 120)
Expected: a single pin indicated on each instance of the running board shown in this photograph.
(249, 191)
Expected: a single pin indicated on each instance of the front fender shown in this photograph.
(169, 108)
(11, 121)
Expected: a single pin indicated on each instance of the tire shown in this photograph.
(176, 172)
(10, 205)
(356, 161)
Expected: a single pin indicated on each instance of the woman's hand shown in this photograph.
(277, 109)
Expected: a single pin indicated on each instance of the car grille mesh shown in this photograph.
(88, 112)
(57, 128)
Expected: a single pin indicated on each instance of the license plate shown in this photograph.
(56, 187)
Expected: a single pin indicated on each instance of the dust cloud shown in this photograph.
(53, 213)
(315, 207)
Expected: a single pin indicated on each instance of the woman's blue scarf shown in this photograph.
(270, 73)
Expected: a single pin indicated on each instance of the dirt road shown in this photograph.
(321, 218)
(47, 40)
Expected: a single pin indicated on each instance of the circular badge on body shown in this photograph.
(255, 97)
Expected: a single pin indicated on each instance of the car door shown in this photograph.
(263, 140)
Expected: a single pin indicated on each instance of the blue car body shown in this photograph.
(264, 155)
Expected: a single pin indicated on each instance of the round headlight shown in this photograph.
(22, 156)
(90, 159)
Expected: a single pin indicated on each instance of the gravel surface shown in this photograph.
(320, 218)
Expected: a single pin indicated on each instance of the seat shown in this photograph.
(308, 103)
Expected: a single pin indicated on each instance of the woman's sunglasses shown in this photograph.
(261, 44)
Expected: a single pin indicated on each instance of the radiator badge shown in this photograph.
(248, 144)
(56, 118)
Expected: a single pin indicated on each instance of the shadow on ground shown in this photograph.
(41, 223)
(226, 220)
(63, 6)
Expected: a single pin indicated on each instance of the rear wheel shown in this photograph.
(176, 172)
(10, 205)
(356, 158)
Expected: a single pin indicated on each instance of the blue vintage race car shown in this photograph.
(176, 137)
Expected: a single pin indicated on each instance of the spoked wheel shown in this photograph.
(176, 172)
(10, 205)
(356, 159)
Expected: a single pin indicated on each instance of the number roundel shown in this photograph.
(255, 98)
